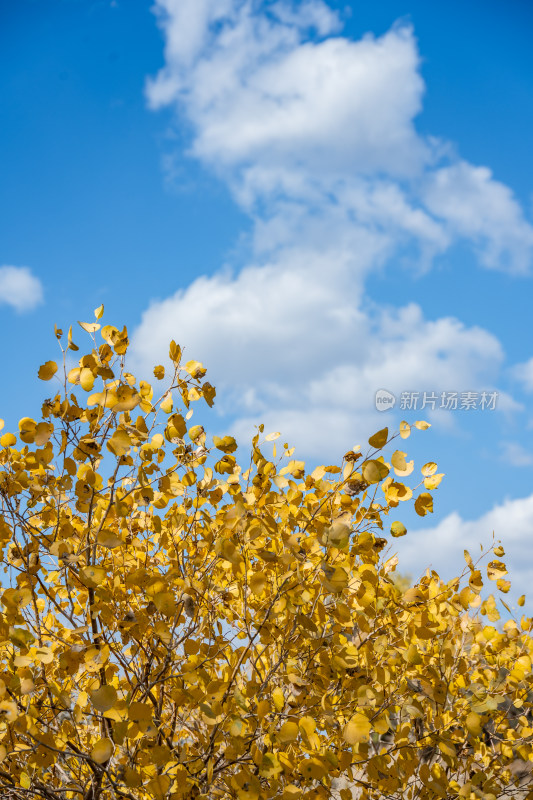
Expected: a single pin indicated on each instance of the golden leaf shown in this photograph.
(398, 529)
(379, 439)
(374, 471)
(405, 429)
(357, 729)
(47, 370)
(104, 698)
(92, 576)
(258, 583)
(90, 327)
(423, 504)
(102, 751)
(288, 732)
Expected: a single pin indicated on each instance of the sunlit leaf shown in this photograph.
(379, 439)
(47, 370)
(357, 729)
(398, 529)
(104, 698)
(102, 751)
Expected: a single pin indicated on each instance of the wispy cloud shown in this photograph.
(516, 454)
(19, 288)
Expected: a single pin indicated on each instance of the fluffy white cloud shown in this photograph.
(475, 206)
(19, 288)
(287, 348)
(260, 93)
(315, 134)
(325, 122)
(442, 546)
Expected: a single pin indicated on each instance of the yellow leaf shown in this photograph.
(379, 439)
(104, 698)
(99, 312)
(313, 768)
(102, 751)
(140, 712)
(25, 780)
(307, 725)
(433, 481)
(47, 370)
(258, 583)
(165, 603)
(335, 580)
(158, 787)
(226, 444)
(270, 766)
(422, 425)
(107, 538)
(86, 379)
(398, 460)
(71, 345)
(271, 437)
(423, 504)
(429, 469)
(374, 471)
(412, 655)
(521, 600)
(495, 570)
(398, 529)
(288, 732)
(473, 723)
(195, 368)
(27, 430)
(503, 585)
(338, 535)
(279, 698)
(499, 551)
(43, 433)
(405, 429)
(166, 403)
(357, 729)
(8, 440)
(92, 576)
(90, 327)
(174, 352)
(414, 595)
(120, 443)
(2, 423)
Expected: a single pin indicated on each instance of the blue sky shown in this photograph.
(319, 200)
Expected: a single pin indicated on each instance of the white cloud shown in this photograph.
(326, 123)
(442, 546)
(524, 374)
(315, 134)
(287, 348)
(19, 288)
(475, 206)
(261, 94)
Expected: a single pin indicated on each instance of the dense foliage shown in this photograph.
(176, 626)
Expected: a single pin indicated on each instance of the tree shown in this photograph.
(176, 626)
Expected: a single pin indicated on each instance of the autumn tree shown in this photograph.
(176, 625)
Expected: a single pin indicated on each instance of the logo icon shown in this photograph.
(385, 400)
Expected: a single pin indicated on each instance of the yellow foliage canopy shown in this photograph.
(175, 626)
